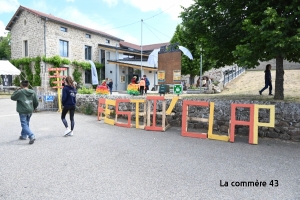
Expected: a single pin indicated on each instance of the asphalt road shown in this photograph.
(107, 162)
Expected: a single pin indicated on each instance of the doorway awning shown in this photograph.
(6, 68)
(134, 64)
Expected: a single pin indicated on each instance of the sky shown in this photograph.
(120, 18)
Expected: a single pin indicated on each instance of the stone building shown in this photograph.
(34, 33)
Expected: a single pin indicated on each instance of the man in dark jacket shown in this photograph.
(27, 102)
(147, 83)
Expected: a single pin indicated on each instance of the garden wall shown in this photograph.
(287, 115)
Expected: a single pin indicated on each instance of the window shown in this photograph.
(122, 79)
(88, 76)
(63, 48)
(88, 52)
(87, 35)
(63, 29)
(108, 55)
(25, 48)
(107, 41)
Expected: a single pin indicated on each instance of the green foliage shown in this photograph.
(186, 39)
(24, 65)
(37, 68)
(16, 81)
(246, 32)
(85, 90)
(88, 109)
(77, 75)
(5, 49)
(86, 65)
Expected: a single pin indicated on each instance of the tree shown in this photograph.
(246, 32)
(190, 67)
(5, 50)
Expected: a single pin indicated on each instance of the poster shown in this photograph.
(177, 75)
(161, 74)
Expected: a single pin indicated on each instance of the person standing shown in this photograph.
(268, 80)
(110, 86)
(27, 102)
(147, 83)
(142, 84)
(69, 104)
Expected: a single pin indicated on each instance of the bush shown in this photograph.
(85, 90)
(88, 109)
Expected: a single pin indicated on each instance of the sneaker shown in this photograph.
(67, 132)
(259, 92)
(21, 138)
(70, 134)
(31, 140)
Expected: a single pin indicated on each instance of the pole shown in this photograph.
(117, 69)
(200, 69)
(58, 92)
(141, 48)
(154, 73)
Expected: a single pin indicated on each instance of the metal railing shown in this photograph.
(232, 73)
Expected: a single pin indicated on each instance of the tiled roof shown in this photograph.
(53, 18)
(145, 47)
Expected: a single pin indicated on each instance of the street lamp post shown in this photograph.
(200, 69)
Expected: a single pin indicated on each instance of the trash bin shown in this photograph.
(163, 89)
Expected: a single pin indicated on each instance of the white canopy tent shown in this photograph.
(6, 68)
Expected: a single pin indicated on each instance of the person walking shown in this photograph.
(268, 80)
(69, 104)
(110, 86)
(27, 102)
(142, 84)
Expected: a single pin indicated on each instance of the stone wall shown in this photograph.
(287, 115)
(31, 28)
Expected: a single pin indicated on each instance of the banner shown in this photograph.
(94, 73)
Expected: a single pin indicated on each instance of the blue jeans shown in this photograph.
(25, 119)
(267, 84)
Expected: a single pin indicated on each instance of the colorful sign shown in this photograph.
(177, 75)
(253, 122)
(161, 76)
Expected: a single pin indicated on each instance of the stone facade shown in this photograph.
(43, 38)
(29, 28)
(287, 115)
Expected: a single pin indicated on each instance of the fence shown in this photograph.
(232, 73)
(47, 100)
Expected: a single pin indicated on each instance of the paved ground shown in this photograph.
(108, 162)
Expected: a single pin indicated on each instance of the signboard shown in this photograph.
(177, 89)
(161, 76)
(177, 75)
(49, 98)
(163, 89)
